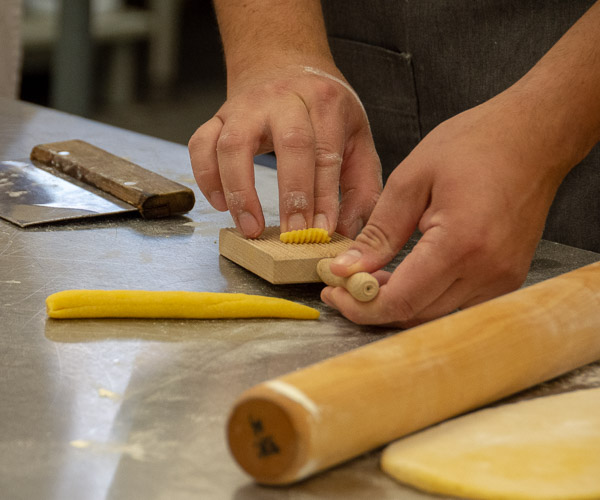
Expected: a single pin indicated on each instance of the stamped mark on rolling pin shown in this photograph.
(265, 443)
(263, 435)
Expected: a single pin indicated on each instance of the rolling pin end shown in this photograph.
(362, 286)
(267, 437)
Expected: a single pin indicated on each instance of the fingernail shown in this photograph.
(296, 221)
(347, 258)
(248, 224)
(217, 200)
(321, 221)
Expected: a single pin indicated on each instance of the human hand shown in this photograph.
(479, 188)
(318, 129)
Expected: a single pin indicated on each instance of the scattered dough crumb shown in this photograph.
(80, 443)
(105, 393)
(133, 450)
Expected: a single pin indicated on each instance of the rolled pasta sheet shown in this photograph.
(311, 235)
(70, 304)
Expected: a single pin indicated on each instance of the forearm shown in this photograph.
(272, 33)
(562, 94)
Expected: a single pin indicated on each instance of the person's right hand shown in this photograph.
(319, 131)
(478, 187)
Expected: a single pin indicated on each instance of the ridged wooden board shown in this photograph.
(277, 262)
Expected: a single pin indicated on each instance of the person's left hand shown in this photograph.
(479, 188)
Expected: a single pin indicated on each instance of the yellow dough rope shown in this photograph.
(152, 304)
(311, 235)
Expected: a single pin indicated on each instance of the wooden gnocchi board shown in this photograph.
(279, 263)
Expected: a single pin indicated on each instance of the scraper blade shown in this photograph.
(30, 195)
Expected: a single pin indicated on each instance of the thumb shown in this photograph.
(393, 221)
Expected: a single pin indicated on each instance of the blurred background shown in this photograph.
(153, 66)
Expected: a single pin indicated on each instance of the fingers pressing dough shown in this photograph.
(188, 305)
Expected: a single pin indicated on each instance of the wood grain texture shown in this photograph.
(152, 194)
(332, 411)
(277, 262)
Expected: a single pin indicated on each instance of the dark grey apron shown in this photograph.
(416, 63)
(10, 47)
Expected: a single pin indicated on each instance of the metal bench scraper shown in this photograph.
(74, 179)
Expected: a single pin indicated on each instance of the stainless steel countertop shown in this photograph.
(108, 409)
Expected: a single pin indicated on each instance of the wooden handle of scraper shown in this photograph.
(152, 194)
(288, 428)
(362, 286)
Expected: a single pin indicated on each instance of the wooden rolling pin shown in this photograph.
(362, 286)
(288, 428)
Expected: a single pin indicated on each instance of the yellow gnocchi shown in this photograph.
(310, 235)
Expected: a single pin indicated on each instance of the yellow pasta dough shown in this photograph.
(545, 448)
(311, 235)
(189, 305)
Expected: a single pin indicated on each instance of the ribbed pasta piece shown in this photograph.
(310, 235)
